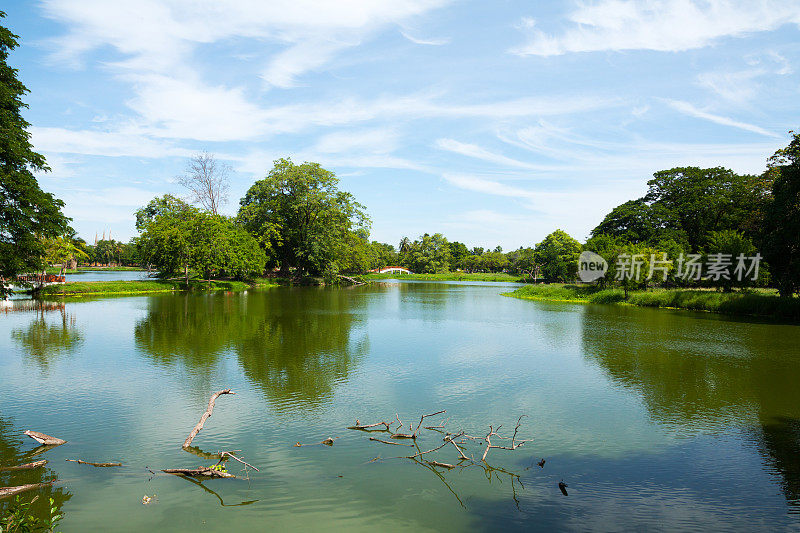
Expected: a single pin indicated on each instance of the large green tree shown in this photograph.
(781, 233)
(187, 239)
(300, 217)
(635, 222)
(558, 255)
(28, 215)
(701, 200)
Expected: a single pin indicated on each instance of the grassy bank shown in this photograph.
(147, 286)
(450, 276)
(752, 303)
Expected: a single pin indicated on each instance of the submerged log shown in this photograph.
(5, 492)
(93, 464)
(206, 415)
(26, 466)
(41, 438)
(202, 471)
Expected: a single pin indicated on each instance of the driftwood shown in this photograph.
(354, 281)
(5, 492)
(326, 442)
(93, 464)
(223, 455)
(26, 466)
(514, 443)
(443, 465)
(202, 471)
(390, 442)
(206, 415)
(365, 427)
(41, 438)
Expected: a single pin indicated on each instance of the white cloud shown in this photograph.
(374, 141)
(473, 150)
(737, 87)
(429, 42)
(688, 109)
(485, 186)
(93, 142)
(107, 205)
(661, 25)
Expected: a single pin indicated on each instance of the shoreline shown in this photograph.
(752, 303)
(81, 288)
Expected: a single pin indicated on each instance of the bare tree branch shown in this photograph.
(206, 415)
(208, 181)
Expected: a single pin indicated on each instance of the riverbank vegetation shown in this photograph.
(751, 302)
(147, 286)
(450, 276)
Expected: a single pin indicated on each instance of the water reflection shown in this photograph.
(294, 345)
(47, 337)
(12, 454)
(707, 378)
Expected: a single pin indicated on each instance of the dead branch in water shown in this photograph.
(423, 417)
(93, 464)
(390, 442)
(230, 454)
(26, 466)
(326, 442)
(443, 465)
(514, 443)
(41, 438)
(202, 471)
(364, 427)
(5, 492)
(206, 415)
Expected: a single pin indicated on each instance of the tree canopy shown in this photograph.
(300, 217)
(28, 215)
(781, 235)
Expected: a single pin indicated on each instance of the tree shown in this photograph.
(430, 254)
(558, 255)
(300, 217)
(458, 251)
(61, 250)
(161, 205)
(189, 239)
(731, 244)
(635, 222)
(28, 215)
(781, 233)
(702, 200)
(208, 181)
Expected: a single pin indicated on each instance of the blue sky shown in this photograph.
(491, 122)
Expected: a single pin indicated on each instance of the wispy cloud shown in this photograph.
(429, 42)
(485, 186)
(688, 109)
(661, 25)
(477, 152)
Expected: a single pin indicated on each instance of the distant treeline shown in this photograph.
(298, 222)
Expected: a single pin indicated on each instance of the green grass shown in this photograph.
(450, 276)
(750, 302)
(146, 286)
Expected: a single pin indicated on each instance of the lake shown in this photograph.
(654, 419)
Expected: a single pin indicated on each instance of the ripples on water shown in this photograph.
(655, 419)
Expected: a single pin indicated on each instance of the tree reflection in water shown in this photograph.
(713, 375)
(294, 345)
(12, 454)
(46, 338)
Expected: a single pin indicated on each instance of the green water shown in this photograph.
(655, 419)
